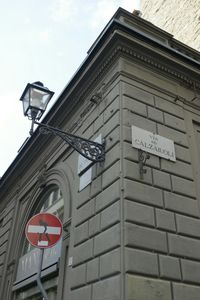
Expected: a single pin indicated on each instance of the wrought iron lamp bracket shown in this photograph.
(142, 158)
(91, 150)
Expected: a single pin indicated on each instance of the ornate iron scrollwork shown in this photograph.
(89, 149)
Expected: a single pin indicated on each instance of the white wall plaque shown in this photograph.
(70, 261)
(153, 143)
(85, 179)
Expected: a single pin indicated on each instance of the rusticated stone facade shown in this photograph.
(126, 236)
(179, 17)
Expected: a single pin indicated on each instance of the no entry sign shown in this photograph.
(43, 230)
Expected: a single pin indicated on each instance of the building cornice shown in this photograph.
(164, 68)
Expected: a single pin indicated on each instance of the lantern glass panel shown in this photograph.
(39, 99)
(26, 103)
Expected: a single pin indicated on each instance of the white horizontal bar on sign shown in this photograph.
(41, 229)
(43, 243)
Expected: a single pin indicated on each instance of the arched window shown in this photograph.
(51, 201)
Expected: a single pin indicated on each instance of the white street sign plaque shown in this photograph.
(153, 143)
(85, 179)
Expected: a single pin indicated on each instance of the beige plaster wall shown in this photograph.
(179, 17)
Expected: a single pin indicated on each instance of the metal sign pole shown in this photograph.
(38, 278)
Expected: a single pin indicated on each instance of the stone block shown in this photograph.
(181, 204)
(169, 267)
(178, 168)
(130, 153)
(137, 93)
(83, 196)
(112, 138)
(96, 186)
(83, 252)
(142, 262)
(112, 156)
(161, 179)
(146, 238)
(85, 119)
(110, 263)
(130, 119)
(144, 288)
(111, 95)
(139, 213)
(183, 186)
(182, 153)
(94, 225)
(127, 133)
(172, 134)
(169, 107)
(93, 270)
(134, 106)
(155, 114)
(113, 122)
(85, 212)
(2, 258)
(111, 109)
(174, 122)
(83, 293)
(98, 123)
(107, 289)
(142, 193)
(131, 171)
(81, 233)
(190, 271)
(165, 220)
(78, 276)
(184, 246)
(108, 196)
(110, 215)
(111, 175)
(107, 240)
(88, 132)
(188, 226)
(183, 291)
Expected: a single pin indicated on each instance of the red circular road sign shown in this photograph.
(43, 230)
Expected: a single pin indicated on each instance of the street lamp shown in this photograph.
(35, 99)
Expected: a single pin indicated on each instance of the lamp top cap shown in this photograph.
(38, 83)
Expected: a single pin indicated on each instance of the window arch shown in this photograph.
(51, 201)
(54, 197)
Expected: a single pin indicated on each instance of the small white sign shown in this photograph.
(70, 261)
(85, 179)
(153, 143)
(83, 162)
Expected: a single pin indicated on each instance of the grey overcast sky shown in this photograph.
(43, 40)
